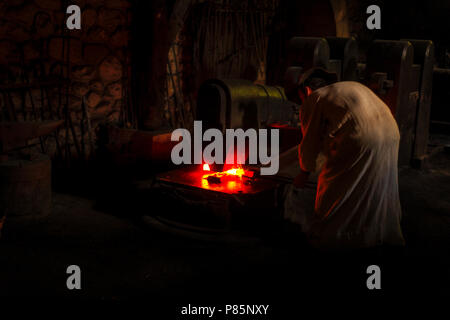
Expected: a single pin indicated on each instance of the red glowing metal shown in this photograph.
(229, 177)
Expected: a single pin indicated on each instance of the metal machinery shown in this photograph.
(400, 72)
(308, 52)
(230, 104)
(236, 104)
(424, 58)
(339, 55)
(344, 58)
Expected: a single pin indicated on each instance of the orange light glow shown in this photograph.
(232, 179)
(236, 172)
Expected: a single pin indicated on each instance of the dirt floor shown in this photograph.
(121, 258)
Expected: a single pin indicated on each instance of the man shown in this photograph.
(356, 202)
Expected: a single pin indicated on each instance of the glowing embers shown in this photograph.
(235, 172)
(229, 177)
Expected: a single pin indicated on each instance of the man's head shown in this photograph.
(299, 85)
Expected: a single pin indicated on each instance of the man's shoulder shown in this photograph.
(342, 85)
(342, 89)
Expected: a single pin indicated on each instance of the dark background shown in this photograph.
(118, 66)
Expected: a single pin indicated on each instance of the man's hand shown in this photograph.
(301, 179)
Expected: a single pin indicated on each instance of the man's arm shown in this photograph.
(311, 121)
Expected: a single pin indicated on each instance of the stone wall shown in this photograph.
(34, 43)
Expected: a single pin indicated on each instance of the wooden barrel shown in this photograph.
(25, 189)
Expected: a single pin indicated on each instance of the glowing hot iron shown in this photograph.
(233, 174)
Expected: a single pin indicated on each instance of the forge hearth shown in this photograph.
(226, 202)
